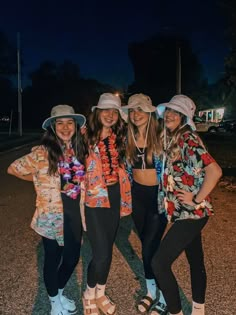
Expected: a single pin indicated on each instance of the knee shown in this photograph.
(160, 265)
(71, 260)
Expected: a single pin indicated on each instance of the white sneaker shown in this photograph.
(68, 305)
(56, 311)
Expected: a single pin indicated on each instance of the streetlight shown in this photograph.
(19, 86)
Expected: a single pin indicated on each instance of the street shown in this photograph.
(21, 284)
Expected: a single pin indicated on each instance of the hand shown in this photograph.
(185, 197)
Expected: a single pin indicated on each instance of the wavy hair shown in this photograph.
(94, 130)
(154, 144)
(171, 139)
(54, 147)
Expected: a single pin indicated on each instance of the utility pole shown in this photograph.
(178, 69)
(19, 86)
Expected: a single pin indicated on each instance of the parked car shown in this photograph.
(228, 125)
(205, 126)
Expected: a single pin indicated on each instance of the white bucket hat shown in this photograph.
(108, 101)
(141, 101)
(182, 104)
(65, 111)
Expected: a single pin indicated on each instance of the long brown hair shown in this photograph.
(154, 144)
(94, 130)
(171, 139)
(54, 147)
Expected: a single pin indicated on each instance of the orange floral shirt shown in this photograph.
(48, 217)
(96, 194)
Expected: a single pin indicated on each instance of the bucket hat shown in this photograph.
(182, 104)
(108, 101)
(141, 101)
(65, 111)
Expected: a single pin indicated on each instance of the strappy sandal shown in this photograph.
(104, 304)
(159, 309)
(146, 302)
(90, 306)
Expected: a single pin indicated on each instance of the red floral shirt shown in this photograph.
(187, 173)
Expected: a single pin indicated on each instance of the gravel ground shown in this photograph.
(21, 283)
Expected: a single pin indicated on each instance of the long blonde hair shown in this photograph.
(153, 140)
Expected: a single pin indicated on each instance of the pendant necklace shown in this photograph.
(142, 151)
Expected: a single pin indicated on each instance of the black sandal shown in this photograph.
(146, 302)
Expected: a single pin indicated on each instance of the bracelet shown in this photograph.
(196, 202)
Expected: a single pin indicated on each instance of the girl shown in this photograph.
(107, 196)
(144, 167)
(57, 169)
(189, 175)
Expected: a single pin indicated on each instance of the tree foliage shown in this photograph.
(155, 68)
(229, 8)
(53, 84)
(8, 56)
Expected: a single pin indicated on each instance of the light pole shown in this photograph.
(19, 86)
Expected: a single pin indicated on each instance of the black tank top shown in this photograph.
(138, 162)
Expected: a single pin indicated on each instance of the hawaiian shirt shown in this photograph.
(96, 193)
(187, 173)
(48, 217)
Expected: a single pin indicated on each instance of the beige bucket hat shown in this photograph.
(141, 101)
(108, 101)
(63, 111)
(182, 104)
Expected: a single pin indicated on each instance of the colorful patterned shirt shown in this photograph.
(96, 193)
(187, 173)
(48, 217)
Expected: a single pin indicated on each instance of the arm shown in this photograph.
(195, 152)
(25, 166)
(213, 173)
(12, 171)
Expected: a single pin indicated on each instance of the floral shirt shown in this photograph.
(96, 193)
(48, 217)
(187, 173)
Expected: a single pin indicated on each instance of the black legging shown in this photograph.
(102, 225)
(183, 235)
(149, 223)
(60, 261)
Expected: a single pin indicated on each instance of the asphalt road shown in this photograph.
(21, 285)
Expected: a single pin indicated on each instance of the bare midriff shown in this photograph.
(145, 177)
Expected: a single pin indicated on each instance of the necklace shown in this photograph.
(109, 158)
(72, 171)
(142, 151)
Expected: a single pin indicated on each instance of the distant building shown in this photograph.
(212, 114)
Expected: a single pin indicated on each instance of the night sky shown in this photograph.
(95, 34)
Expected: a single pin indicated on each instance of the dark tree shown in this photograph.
(229, 7)
(8, 56)
(155, 67)
(54, 84)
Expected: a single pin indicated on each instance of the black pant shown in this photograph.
(102, 225)
(149, 223)
(60, 261)
(184, 235)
